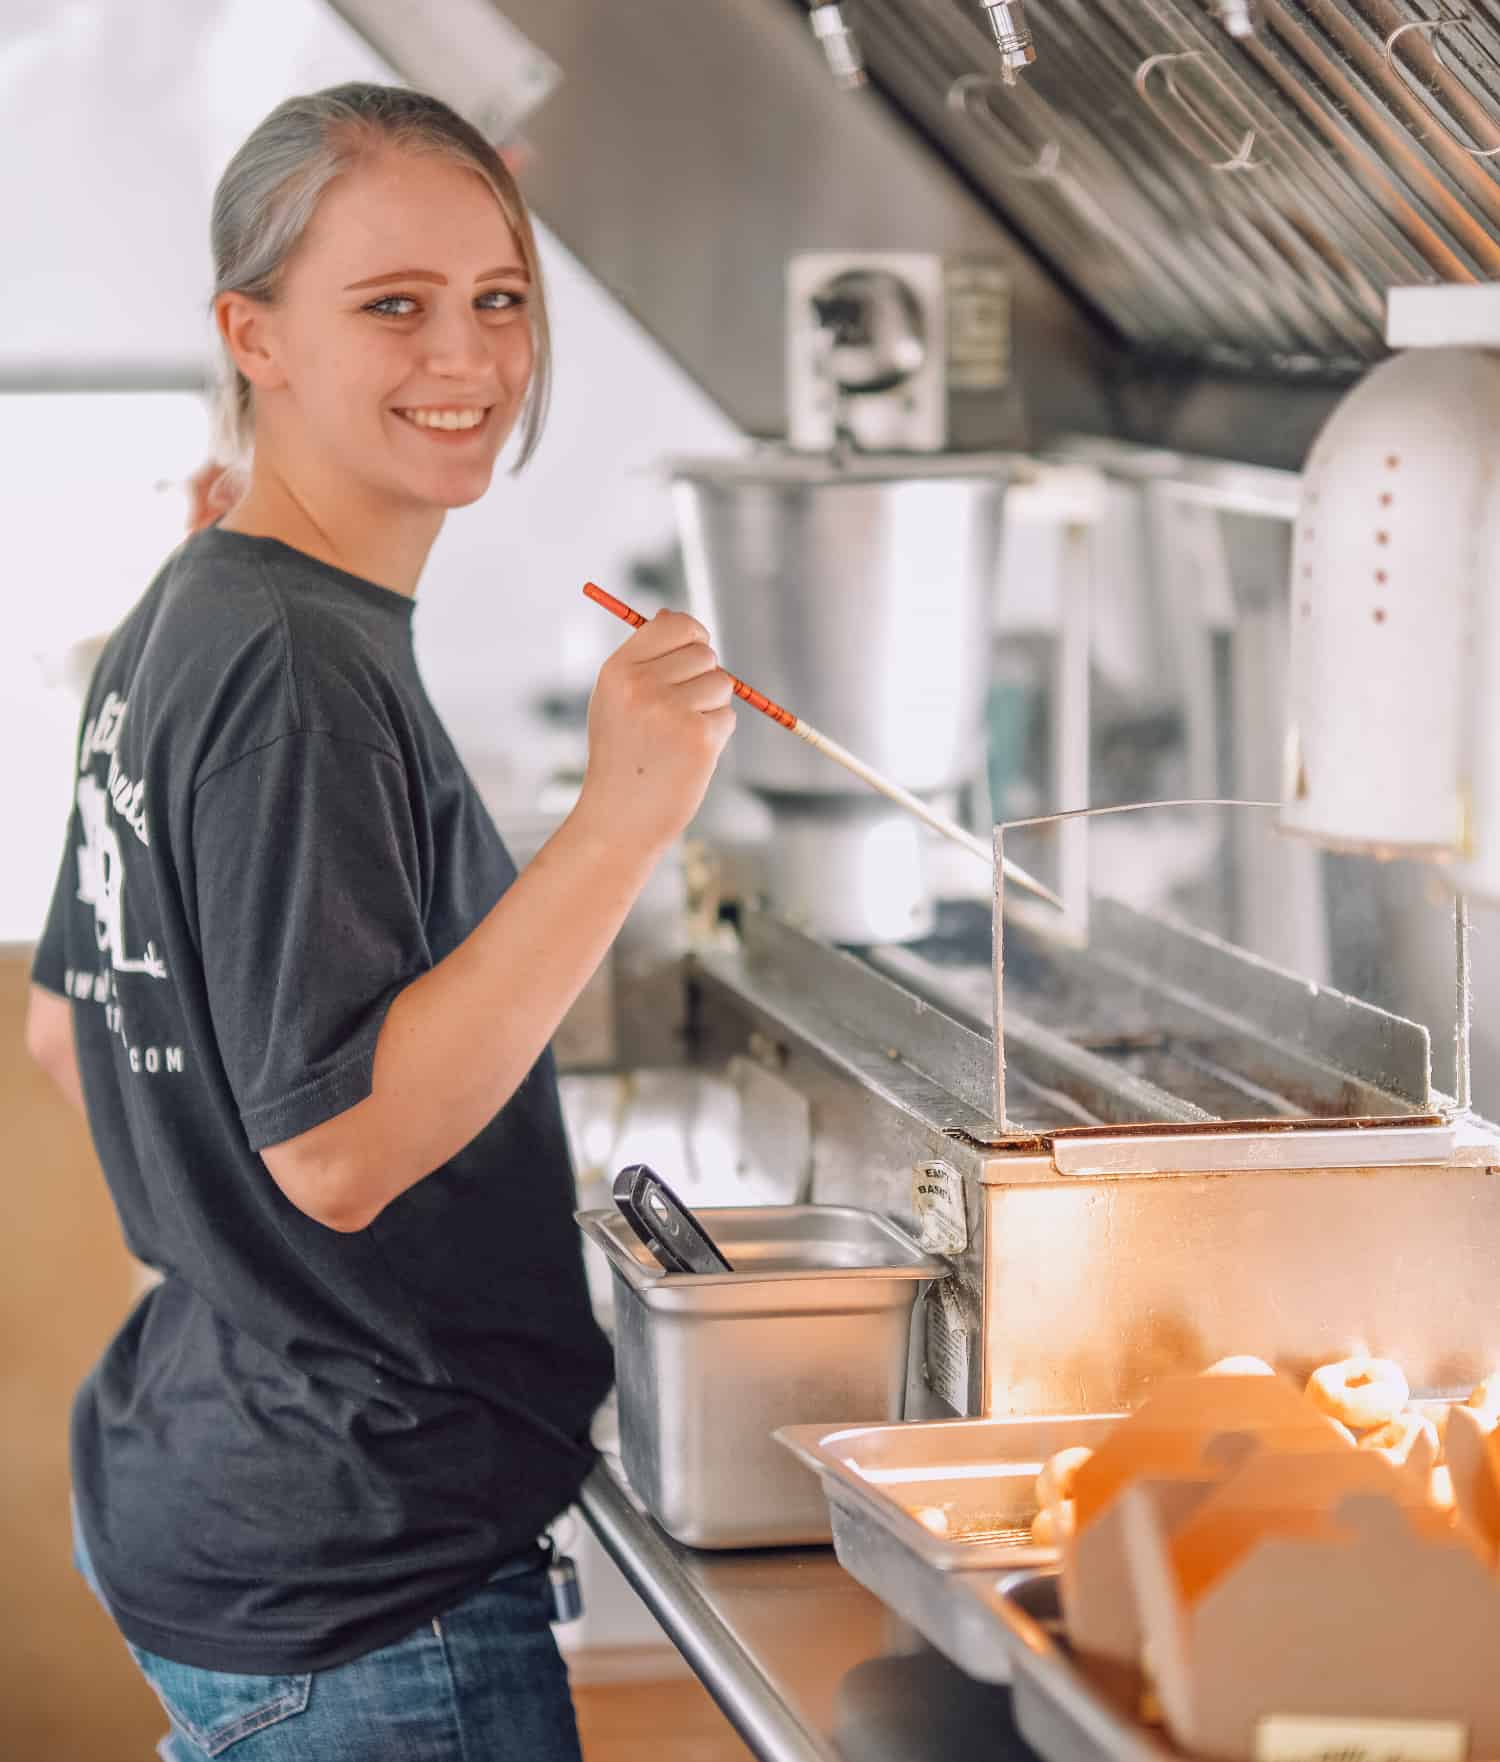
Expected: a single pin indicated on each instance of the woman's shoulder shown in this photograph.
(249, 583)
(252, 646)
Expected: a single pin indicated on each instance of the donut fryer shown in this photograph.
(1126, 1223)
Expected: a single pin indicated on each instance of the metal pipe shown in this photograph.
(1012, 36)
(997, 934)
(1463, 1066)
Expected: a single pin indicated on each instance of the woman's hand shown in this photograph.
(211, 494)
(658, 720)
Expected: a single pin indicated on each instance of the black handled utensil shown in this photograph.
(665, 1224)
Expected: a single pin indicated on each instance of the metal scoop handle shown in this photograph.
(665, 1224)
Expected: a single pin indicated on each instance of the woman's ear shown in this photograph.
(249, 335)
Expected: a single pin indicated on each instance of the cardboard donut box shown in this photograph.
(1294, 1597)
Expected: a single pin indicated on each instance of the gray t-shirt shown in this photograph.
(302, 1444)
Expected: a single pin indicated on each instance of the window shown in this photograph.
(91, 501)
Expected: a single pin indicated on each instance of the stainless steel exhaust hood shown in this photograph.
(1202, 205)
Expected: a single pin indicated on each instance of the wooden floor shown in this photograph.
(654, 1722)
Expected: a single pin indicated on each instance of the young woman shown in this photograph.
(292, 976)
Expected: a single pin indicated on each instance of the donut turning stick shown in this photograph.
(840, 755)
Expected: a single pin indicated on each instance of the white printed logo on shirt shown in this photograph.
(101, 882)
(101, 861)
(102, 809)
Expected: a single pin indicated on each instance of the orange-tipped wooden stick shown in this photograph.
(840, 755)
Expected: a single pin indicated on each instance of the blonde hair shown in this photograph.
(270, 191)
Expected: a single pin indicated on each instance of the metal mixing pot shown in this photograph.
(859, 595)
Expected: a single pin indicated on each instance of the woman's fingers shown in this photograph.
(679, 665)
(705, 691)
(659, 718)
(662, 634)
(721, 723)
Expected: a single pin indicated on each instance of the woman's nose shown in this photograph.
(456, 344)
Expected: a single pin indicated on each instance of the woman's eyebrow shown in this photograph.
(374, 281)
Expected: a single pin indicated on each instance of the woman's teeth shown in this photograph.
(444, 418)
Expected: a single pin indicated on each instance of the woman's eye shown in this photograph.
(403, 306)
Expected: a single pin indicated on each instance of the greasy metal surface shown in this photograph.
(816, 1327)
(802, 973)
(880, 999)
(1371, 1048)
(806, 1664)
(1157, 1021)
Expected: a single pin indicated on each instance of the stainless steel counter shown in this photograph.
(805, 1664)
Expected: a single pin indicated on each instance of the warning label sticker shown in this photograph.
(948, 1344)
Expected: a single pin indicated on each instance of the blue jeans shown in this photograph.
(483, 1683)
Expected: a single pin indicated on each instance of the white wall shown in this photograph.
(116, 117)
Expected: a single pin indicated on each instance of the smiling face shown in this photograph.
(398, 352)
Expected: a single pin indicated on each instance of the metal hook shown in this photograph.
(1239, 156)
(965, 88)
(1432, 26)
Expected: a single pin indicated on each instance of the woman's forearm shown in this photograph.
(458, 1041)
(50, 1041)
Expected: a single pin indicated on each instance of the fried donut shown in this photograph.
(1055, 1482)
(1360, 1392)
(1485, 1400)
(1053, 1524)
(1408, 1440)
(1242, 1366)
